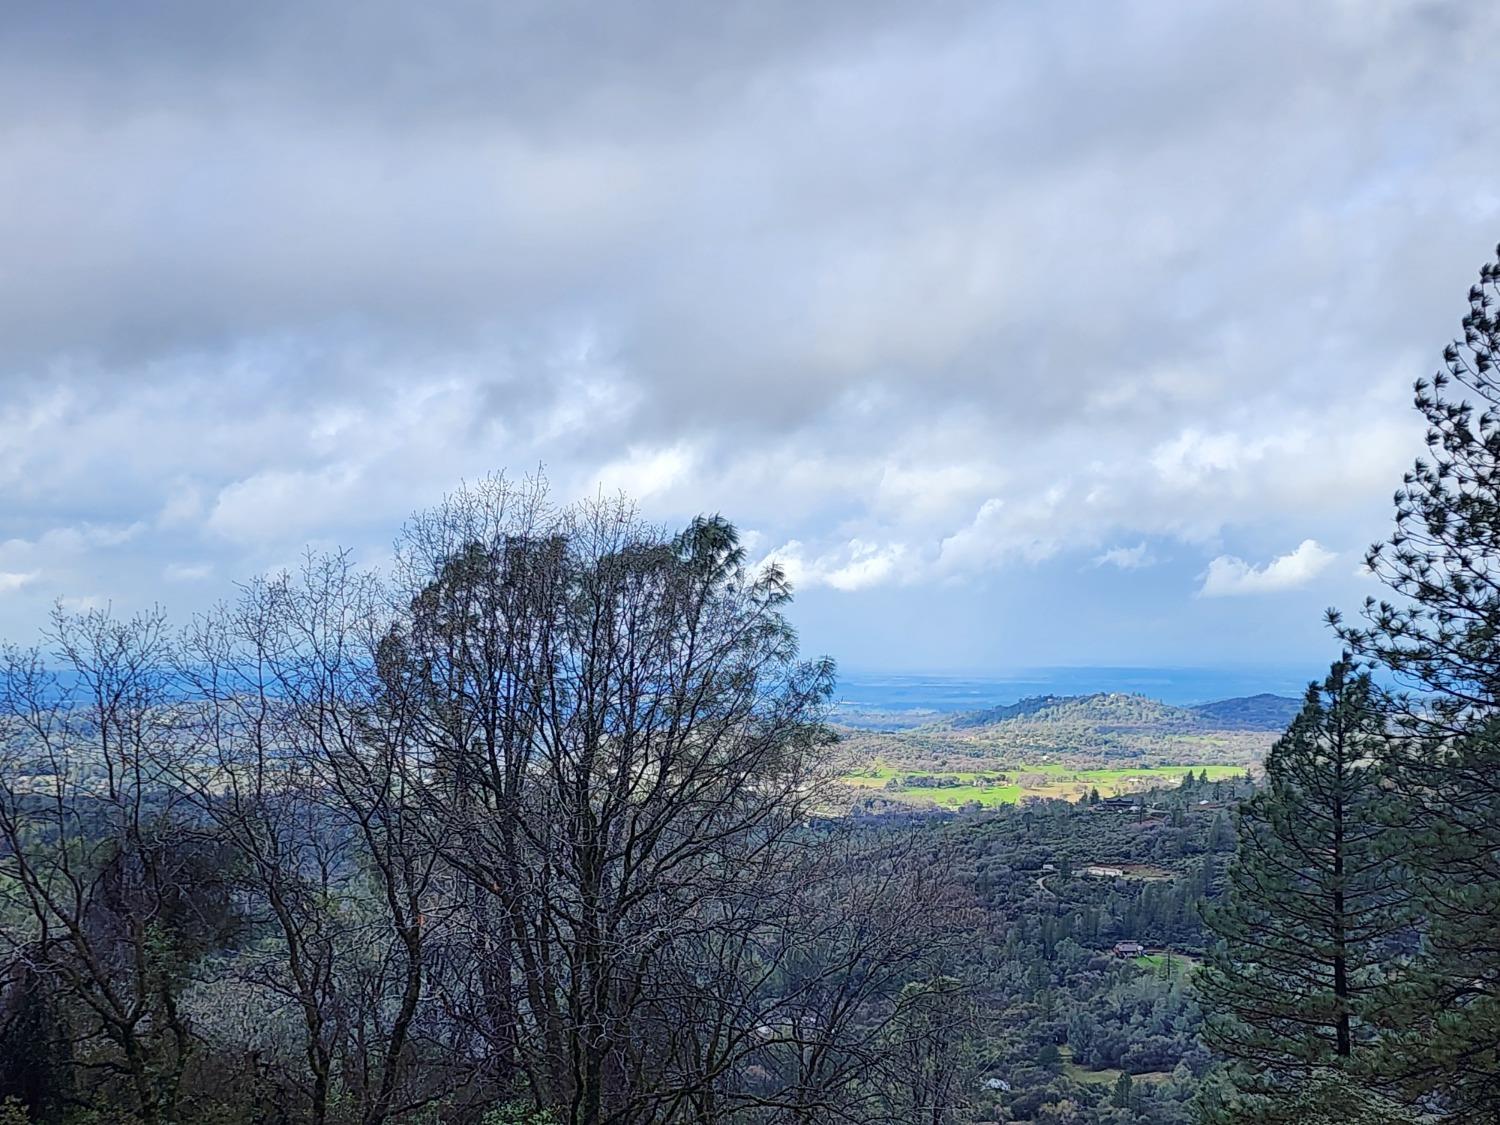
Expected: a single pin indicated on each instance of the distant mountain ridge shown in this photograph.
(1251, 712)
(1121, 711)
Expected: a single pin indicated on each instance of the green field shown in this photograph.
(1106, 1077)
(1156, 962)
(1007, 786)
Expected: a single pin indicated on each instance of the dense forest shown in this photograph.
(536, 827)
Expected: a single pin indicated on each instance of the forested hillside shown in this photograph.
(1065, 1027)
(1255, 712)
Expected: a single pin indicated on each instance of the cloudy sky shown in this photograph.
(1019, 333)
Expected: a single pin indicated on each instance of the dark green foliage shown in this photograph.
(1440, 636)
(1333, 1098)
(1446, 1016)
(1044, 953)
(1123, 1096)
(934, 1033)
(35, 1056)
(1314, 904)
(1253, 712)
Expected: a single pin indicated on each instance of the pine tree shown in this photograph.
(1440, 637)
(1331, 1099)
(1123, 1098)
(1445, 1018)
(1312, 904)
(1443, 559)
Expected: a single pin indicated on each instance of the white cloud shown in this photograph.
(268, 506)
(1127, 558)
(13, 580)
(187, 572)
(645, 473)
(183, 505)
(857, 565)
(1228, 576)
(868, 564)
(1029, 527)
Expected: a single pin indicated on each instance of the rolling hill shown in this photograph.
(1102, 729)
(1253, 712)
(1121, 711)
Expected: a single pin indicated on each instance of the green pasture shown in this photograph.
(1007, 786)
(1106, 1077)
(1156, 963)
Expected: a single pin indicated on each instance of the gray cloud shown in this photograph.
(921, 292)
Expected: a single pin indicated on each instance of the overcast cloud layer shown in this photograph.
(1017, 333)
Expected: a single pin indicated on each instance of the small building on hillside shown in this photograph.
(1104, 872)
(1129, 949)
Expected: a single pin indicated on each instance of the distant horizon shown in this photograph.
(952, 691)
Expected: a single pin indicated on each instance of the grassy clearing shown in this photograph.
(1109, 1076)
(1106, 1077)
(1157, 964)
(1006, 787)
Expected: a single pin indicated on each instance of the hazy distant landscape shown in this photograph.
(1064, 747)
(892, 701)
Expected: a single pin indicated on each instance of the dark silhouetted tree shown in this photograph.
(1440, 637)
(1312, 904)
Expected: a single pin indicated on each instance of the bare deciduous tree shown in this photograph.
(107, 892)
(540, 816)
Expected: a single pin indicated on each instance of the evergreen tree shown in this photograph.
(1440, 637)
(1331, 1099)
(1219, 833)
(1445, 1018)
(1311, 905)
(1122, 1098)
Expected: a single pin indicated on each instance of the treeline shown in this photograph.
(1358, 974)
(1080, 741)
(525, 832)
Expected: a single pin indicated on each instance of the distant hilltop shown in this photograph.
(1125, 711)
(1106, 710)
(1251, 712)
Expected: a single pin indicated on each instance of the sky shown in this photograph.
(1018, 334)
